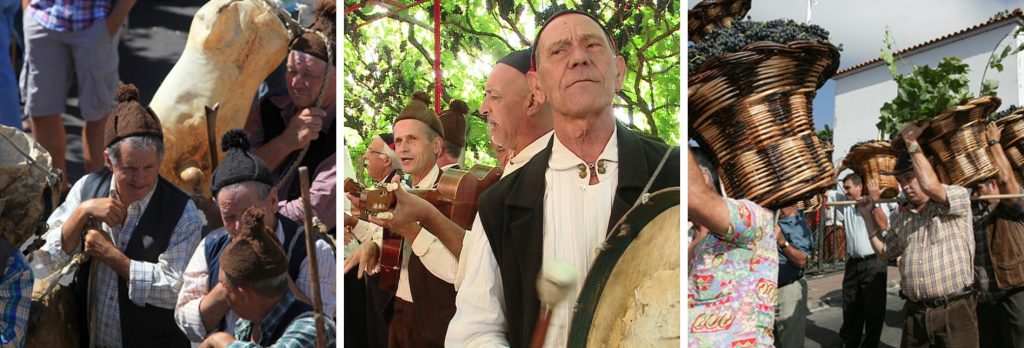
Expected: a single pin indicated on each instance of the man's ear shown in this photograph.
(106, 160)
(538, 94)
(620, 76)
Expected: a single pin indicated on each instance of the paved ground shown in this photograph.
(148, 50)
(824, 294)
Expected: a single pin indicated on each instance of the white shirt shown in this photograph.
(518, 161)
(575, 226)
(197, 285)
(858, 243)
(435, 256)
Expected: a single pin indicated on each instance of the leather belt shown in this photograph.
(942, 301)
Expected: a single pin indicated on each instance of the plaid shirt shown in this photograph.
(196, 285)
(15, 298)
(301, 332)
(69, 15)
(155, 284)
(937, 246)
(985, 280)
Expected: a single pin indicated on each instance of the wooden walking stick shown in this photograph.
(307, 220)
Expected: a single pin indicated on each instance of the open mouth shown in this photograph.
(406, 161)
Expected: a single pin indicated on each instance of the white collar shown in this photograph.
(564, 159)
(429, 180)
(520, 159)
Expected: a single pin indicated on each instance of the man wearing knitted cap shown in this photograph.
(138, 229)
(565, 198)
(242, 181)
(425, 299)
(517, 123)
(453, 121)
(254, 274)
(281, 127)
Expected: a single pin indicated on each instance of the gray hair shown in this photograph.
(136, 142)
(262, 189)
(269, 287)
(705, 165)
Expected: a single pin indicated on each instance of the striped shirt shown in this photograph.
(154, 284)
(937, 246)
(69, 15)
(15, 298)
(300, 333)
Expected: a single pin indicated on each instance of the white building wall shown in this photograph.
(860, 94)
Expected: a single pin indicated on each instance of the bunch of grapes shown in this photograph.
(742, 33)
(1004, 113)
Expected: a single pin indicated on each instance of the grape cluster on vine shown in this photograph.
(742, 33)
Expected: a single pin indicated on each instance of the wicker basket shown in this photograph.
(1013, 142)
(809, 205)
(869, 159)
(752, 111)
(709, 15)
(956, 143)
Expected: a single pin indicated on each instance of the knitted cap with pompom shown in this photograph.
(131, 118)
(255, 254)
(453, 121)
(419, 109)
(239, 165)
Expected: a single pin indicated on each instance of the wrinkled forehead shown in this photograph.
(569, 26)
(301, 59)
(504, 77)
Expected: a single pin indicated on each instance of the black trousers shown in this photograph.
(355, 311)
(1001, 323)
(863, 302)
(379, 310)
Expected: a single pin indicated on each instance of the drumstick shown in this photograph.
(314, 274)
(555, 283)
(901, 200)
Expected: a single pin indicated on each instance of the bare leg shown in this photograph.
(92, 144)
(49, 132)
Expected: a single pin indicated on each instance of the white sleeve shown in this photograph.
(435, 256)
(479, 319)
(195, 286)
(327, 271)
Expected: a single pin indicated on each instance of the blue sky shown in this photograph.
(860, 25)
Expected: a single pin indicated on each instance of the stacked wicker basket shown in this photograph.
(956, 143)
(1013, 141)
(871, 158)
(709, 15)
(752, 110)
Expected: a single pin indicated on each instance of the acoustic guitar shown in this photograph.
(377, 200)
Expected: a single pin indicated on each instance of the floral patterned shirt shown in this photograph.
(732, 287)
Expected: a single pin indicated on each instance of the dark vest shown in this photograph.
(1004, 236)
(294, 243)
(6, 250)
(433, 301)
(146, 326)
(297, 310)
(319, 149)
(512, 214)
